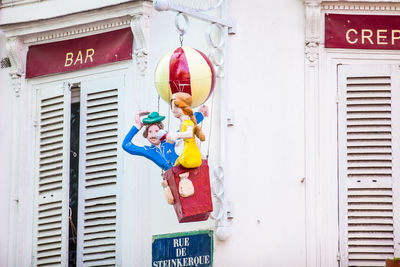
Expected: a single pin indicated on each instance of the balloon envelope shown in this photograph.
(185, 70)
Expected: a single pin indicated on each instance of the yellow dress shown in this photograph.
(191, 156)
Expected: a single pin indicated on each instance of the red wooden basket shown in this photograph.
(197, 207)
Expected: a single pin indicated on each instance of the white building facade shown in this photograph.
(302, 135)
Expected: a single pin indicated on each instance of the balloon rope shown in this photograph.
(169, 118)
(169, 110)
(158, 104)
(158, 110)
(211, 123)
(201, 125)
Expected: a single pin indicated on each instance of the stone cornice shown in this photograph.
(78, 31)
(385, 6)
(17, 53)
(76, 24)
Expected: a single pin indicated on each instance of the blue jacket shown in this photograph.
(164, 157)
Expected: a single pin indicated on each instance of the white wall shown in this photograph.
(49, 9)
(266, 145)
(6, 93)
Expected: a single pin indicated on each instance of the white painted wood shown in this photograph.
(52, 176)
(366, 214)
(98, 176)
(342, 162)
(396, 155)
(311, 131)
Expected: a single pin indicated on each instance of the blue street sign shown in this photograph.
(183, 249)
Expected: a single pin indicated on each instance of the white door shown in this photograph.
(368, 178)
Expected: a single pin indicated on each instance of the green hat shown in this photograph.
(153, 117)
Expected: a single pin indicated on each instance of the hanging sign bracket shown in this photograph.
(165, 5)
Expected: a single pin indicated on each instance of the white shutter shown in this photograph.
(52, 172)
(97, 214)
(365, 165)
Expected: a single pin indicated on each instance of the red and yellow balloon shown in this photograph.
(185, 70)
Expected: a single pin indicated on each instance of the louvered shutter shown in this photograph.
(366, 211)
(98, 189)
(52, 172)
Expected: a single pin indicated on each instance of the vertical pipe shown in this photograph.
(14, 180)
(223, 229)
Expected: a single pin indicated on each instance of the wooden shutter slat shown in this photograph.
(368, 108)
(369, 183)
(113, 113)
(357, 80)
(371, 236)
(103, 262)
(372, 256)
(367, 263)
(368, 163)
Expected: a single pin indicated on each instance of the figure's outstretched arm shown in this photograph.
(130, 147)
(201, 114)
(173, 136)
(127, 144)
(188, 133)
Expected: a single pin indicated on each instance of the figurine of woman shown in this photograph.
(180, 106)
(190, 156)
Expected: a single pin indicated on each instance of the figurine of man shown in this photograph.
(161, 153)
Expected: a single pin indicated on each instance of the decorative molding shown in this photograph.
(16, 82)
(142, 59)
(313, 22)
(14, 48)
(361, 6)
(312, 52)
(140, 30)
(16, 51)
(75, 32)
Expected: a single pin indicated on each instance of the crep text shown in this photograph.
(373, 37)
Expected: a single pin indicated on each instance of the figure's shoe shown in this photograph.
(167, 193)
(186, 188)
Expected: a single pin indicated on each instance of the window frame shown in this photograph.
(109, 71)
(323, 100)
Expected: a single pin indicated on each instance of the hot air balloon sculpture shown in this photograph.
(185, 78)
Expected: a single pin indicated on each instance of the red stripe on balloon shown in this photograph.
(212, 72)
(179, 75)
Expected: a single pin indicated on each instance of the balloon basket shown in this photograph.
(197, 207)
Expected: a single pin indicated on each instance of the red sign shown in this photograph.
(362, 31)
(79, 53)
